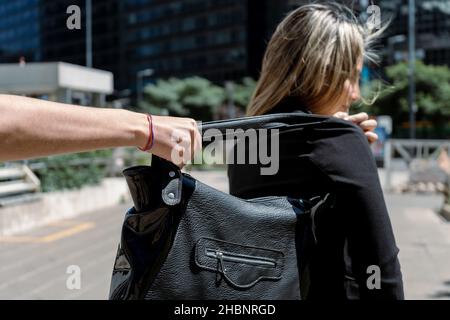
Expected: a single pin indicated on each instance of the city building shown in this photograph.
(218, 39)
(36, 31)
(57, 81)
(432, 34)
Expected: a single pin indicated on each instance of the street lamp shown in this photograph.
(88, 33)
(411, 69)
(140, 75)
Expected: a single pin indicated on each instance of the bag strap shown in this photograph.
(294, 120)
(282, 121)
(255, 122)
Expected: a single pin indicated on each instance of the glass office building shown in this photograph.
(37, 31)
(218, 39)
(20, 30)
(191, 37)
(432, 30)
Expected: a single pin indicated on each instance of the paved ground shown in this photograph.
(36, 268)
(423, 237)
(34, 265)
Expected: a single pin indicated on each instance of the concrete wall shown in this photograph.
(39, 78)
(84, 79)
(62, 205)
(48, 77)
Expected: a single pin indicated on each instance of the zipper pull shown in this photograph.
(219, 256)
(220, 269)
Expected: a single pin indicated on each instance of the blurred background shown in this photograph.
(201, 59)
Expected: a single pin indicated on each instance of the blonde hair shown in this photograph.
(311, 54)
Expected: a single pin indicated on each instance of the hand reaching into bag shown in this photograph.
(361, 119)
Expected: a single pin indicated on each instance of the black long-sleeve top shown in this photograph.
(333, 155)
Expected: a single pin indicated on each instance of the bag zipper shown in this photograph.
(240, 258)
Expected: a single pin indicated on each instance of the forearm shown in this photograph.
(34, 128)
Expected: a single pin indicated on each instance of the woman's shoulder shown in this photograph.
(328, 126)
(336, 129)
(340, 148)
(325, 131)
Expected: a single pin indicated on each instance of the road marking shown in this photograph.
(62, 223)
(67, 232)
(50, 237)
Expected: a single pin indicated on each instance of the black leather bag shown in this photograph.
(186, 240)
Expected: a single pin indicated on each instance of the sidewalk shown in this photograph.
(423, 237)
(34, 265)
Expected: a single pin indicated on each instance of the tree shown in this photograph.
(432, 95)
(193, 97)
(243, 92)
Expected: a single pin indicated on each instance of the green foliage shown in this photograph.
(72, 171)
(432, 94)
(243, 92)
(194, 97)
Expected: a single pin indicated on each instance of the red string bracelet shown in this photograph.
(151, 139)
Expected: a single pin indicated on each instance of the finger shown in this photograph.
(371, 136)
(368, 125)
(179, 156)
(198, 143)
(186, 143)
(178, 146)
(196, 138)
(341, 115)
(359, 117)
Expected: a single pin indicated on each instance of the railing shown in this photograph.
(114, 164)
(18, 183)
(411, 150)
(19, 180)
